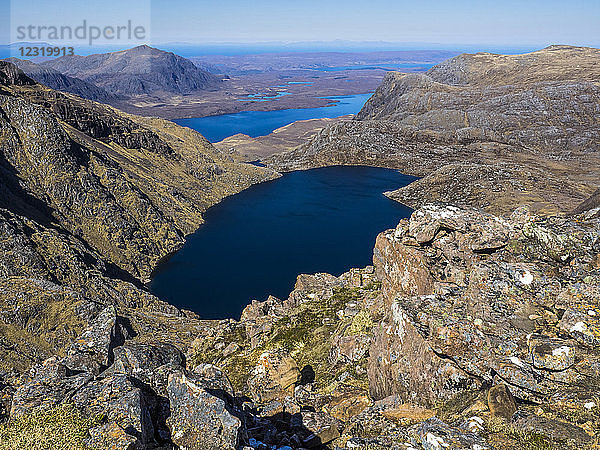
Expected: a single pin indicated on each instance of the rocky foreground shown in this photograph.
(470, 331)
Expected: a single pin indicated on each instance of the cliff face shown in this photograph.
(526, 128)
(90, 200)
(131, 188)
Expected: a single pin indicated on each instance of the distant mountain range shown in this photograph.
(108, 77)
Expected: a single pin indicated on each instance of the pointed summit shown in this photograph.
(141, 70)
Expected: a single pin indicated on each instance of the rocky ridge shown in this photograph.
(524, 126)
(91, 200)
(56, 80)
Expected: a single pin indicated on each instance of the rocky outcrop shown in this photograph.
(276, 375)
(492, 309)
(484, 130)
(133, 389)
(199, 419)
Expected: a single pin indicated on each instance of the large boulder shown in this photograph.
(92, 350)
(501, 402)
(433, 434)
(128, 409)
(150, 364)
(200, 420)
(46, 385)
(559, 433)
(56, 379)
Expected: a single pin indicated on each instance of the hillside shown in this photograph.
(56, 80)
(484, 130)
(141, 70)
(91, 200)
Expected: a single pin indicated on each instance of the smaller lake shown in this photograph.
(261, 123)
(256, 242)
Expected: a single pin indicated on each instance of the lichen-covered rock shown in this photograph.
(491, 309)
(558, 432)
(199, 419)
(321, 428)
(274, 377)
(151, 364)
(127, 406)
(92, 351)
(46, 385)
(433, 434)
(346, 401)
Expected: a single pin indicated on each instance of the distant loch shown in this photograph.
(261, 123)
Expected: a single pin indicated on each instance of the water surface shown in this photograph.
(256, 242)
(261, 123)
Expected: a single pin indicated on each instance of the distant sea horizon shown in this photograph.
(186, 49)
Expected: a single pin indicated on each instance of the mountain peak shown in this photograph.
(138, 70)
(144, 48)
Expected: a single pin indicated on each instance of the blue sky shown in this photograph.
(458, 21)
(509, 23)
